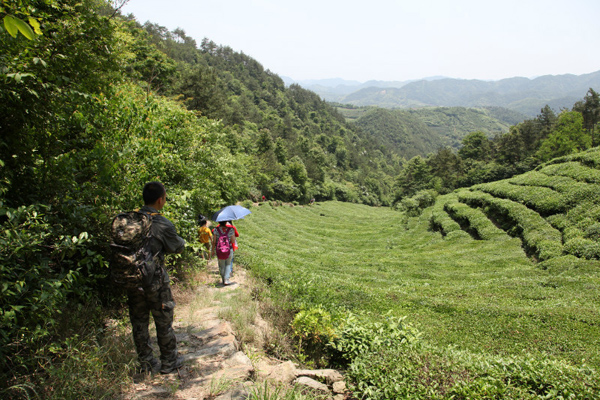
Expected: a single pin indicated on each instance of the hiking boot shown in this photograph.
(151, 366)
(167, 369)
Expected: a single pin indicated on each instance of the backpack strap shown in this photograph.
(221, 233)
(147, 213)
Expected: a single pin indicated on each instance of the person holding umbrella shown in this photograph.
(224, 238)
(234, 244)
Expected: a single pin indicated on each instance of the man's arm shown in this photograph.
(172, 242)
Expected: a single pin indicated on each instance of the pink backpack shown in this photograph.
(223, 245)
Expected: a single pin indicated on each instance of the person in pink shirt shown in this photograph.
(234, 244)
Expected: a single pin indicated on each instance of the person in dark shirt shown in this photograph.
(157, 299)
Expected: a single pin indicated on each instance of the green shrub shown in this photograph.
(414, 206)
(347, 193)
(589, 158)
(356, 336)
(572, 190)
(559, 265)
(423, 372)
(592, 231)
(457, 235)
(248, 204)
(559, 221)
(39, 270)
(314, 329)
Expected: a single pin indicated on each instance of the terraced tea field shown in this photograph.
(509, 267)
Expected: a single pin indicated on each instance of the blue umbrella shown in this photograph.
(230, 213)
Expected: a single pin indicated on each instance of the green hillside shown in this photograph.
(454, 123)
(282, 129)
(506, 272)
(526, 96)
(408, 135)
(424, 130)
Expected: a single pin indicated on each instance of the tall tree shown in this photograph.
(568, 137)
(446, 165)
(590, 110)
(476, 146)
(415, 176)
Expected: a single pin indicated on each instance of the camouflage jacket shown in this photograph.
(164, 236)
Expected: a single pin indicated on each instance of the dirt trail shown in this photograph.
(216, 366)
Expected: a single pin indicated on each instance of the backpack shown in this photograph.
(223, 247)
(133, 265)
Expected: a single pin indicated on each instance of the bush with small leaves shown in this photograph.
(424, 372)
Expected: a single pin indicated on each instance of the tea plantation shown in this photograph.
(505, 273)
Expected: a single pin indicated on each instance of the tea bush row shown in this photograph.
(440, 220)
(539, 237)
(580, 239)
(475, 220)
(574, 191)
(583, 248)
(572, 170)
(589, 158)
(543, 200)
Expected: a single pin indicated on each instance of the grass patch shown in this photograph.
(473, 294)
(89, 364)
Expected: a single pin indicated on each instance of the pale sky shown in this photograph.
(394, 40)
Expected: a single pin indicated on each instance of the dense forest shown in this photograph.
(94, 105)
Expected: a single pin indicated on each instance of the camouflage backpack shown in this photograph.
(133, 265)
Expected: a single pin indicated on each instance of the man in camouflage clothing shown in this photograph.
(157, 299)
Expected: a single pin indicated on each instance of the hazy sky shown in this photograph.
(394, 40)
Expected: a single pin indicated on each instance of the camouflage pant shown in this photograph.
(161, 305)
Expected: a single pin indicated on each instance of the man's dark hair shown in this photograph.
(152, 192)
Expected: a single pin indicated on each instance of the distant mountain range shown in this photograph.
(524, 95)
(336, 89)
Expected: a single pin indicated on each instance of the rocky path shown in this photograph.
(216, 365)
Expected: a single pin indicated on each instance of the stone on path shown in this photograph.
(312, 384)
(284, 372)
(330, 376)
